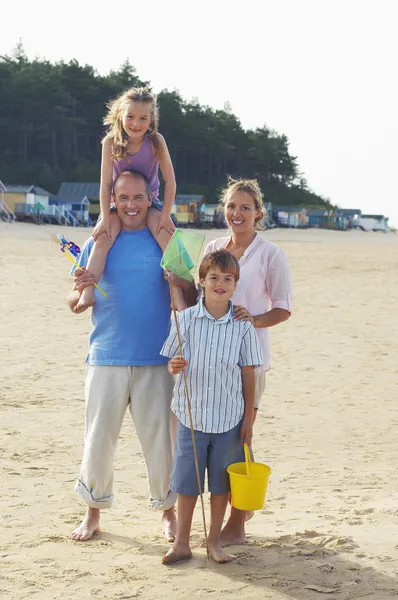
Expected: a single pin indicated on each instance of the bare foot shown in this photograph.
(86, 300)
(169, 523)
(87, 527)
(217, 553)
(231, 536)
(177, 553)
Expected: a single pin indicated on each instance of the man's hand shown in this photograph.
(103, 226)
(177, 364)
(83, 279)
(246, 431)
(242, 314)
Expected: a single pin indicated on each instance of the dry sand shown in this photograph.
(328, 428)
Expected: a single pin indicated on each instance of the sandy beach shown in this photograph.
(327, 427)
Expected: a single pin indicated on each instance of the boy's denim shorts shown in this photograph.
(216, 451)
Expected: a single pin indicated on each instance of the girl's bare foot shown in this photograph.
(87, 527)
(217, 553)
(86, 300)
(177, 553)
(169, 523)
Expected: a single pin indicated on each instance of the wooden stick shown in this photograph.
(193, 437)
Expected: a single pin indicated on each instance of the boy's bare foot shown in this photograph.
(177, 553)
(232, 536)
(217, 553)
(87, 527)
(169, 523)
(86, 300)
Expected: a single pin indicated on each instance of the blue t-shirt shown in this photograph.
(131, 325)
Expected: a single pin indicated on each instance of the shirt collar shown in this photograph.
(201, 312)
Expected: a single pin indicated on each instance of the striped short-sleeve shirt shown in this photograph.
(215, 349)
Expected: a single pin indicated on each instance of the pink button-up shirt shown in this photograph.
(264, 283)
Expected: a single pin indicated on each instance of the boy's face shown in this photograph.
(218, 286)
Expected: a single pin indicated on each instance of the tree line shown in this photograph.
(51, 128)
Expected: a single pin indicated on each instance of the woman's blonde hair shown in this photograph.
(250, 186)
(114, 120)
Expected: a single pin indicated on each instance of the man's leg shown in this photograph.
(151, 393)
(107, 394)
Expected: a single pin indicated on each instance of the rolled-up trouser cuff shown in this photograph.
(89, 499)
(166, 504)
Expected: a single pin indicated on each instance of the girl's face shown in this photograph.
(136, 119)
(241, 213)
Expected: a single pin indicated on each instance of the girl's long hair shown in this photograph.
(114, 120)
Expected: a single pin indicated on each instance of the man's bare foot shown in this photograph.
(231, 536)
(169, 523)
(87, 527)
(217, 553)
(86, 300)
(177, 553)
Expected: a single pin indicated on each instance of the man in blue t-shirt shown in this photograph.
(124, 366)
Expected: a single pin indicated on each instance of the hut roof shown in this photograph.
(75, 192)
(26, 189)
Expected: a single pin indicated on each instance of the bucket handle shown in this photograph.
(247, 458)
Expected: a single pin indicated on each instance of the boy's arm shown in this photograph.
(248, 387)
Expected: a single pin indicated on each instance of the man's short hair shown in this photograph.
(135, 173)
(222, 259)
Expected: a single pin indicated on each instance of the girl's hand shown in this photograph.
(165, 223)
(177, 364)
(246, 432)
(83, 279)
(103, 226)
(242, 314)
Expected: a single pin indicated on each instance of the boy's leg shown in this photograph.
(163, 237)
(180, 549)
(151, 390)
(97, 260)
(234, 531)
(218, 505)
(107, 394)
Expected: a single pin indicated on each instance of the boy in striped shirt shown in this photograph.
(219, 356)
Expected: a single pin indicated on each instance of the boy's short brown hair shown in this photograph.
(222, 259)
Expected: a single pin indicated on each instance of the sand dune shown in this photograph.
(328, 428)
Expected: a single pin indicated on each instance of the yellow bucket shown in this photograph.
(249, 482)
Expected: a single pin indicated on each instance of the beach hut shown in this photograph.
(81, 199)
(6, 214)
(22, 198)
(371, 223)
(289, 216)
(318, 218)
(186, 209)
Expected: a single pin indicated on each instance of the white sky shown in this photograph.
(322, 72)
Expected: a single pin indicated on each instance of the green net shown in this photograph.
(182, 253)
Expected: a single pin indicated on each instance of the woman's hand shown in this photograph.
(83, 279)
(242, 314)
(177, 364)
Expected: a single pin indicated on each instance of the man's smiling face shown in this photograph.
(132, 201)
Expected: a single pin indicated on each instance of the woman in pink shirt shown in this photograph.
(263, 294)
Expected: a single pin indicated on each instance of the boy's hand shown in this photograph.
(83, 279)
(242, 314)
(103, 226)
(246, 432)
(165, 223)
(177, 364)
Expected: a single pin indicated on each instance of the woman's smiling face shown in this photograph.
(240, 212)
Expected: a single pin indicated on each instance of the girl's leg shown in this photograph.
(218, 505)
(177, 296)
(180, 550)
(97, 260)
